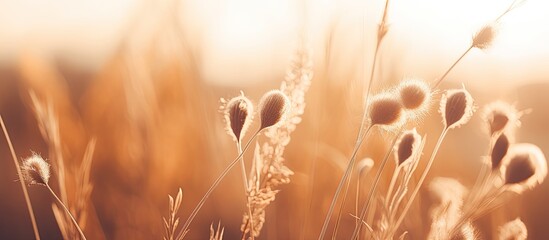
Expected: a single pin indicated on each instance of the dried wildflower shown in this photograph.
(407, 146)
(238, 116)
(270, 170)
(500, 117)
(524, 167)
(36, 170)
(499, 150)
(415, 95)
(513, 230)
(386, 110)
(484, 38)
(456, 107)
(273, 106)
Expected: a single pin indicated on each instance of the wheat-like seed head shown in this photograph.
(238, 114)
(36, 170)
(484, 37)
(407, 146)
(501, 117)
(456, 107)
(524, 167)
(386, 110)
(513, 230)
(273, 107)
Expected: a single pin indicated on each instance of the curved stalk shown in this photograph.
(213, 186)
(67, 211)
(20, 175)
(420, 182)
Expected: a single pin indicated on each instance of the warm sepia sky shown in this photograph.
(259, 35)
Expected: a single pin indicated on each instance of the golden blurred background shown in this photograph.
(144, 78)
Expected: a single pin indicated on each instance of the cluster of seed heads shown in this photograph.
(409, 99)
(239, 112)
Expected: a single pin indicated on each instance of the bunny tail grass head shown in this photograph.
(513, 230)
(415, 95)
(407, 145)
(501, 117)
(238, 114)
(484, 37)
(273, 106)
(456, 107)
(386, 110)
(524, 167)
(36, 170)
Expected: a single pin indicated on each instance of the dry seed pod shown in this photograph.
(238, 116)
(385, 110)
(456, 107)
(273, 106)
(406, 147)
(415, 94)
(501, 116)
(513, 230)
(499, 150)
(484, 38)
(36, 170)
(524, 167)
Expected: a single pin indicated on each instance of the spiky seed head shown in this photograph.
(499, 150)
(456, 107)
(273, 107)
(36, 170)
(415, 94)
(407, 146)
(501, 117)
(524, 167)
(238, 116)
(484, 37)
(386, 110)
(513, 230)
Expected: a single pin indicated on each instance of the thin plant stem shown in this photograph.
(437, 83)
(214, 185)
(67, 211)
(21, 180)
(421, 179)
(345, 176)
(246, 190)
(375, 184)
(382, 30)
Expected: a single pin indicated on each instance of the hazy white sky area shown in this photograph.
(258, 36)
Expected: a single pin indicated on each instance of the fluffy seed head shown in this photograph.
(524, 167)
(407, 146)
(456, 107)
(499, 150)
(513, 230)
(386, 110)
(500, 117)
(484, 38)
(415, 94)
(273, 106)
(238, 116)
(36, 170)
